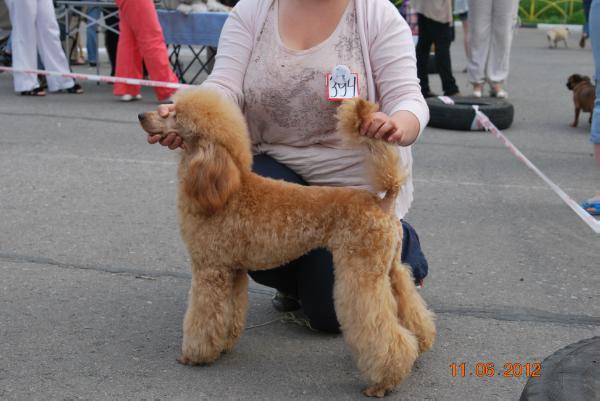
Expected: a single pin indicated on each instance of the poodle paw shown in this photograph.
(376, 390)
(194, 359)
(186, 361)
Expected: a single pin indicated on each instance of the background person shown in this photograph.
(593, 205)
(272, 61)
(35, 29)
(435, 27)
(491, 31)
(141, 38)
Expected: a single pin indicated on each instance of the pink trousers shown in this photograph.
(141, 38)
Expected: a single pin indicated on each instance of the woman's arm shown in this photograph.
(235, 48)
(233, 54)
(394, 65)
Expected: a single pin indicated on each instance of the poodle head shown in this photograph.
(216, 144)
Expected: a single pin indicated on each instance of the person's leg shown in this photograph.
(111, 39)
(465, 27)
(503, 22)
(24, 45)
(422, 51)
(585, 32)
(315, 279)
(129, 59)
(91, 35)
(283, 278)
(49, 47)
(480, 25)
(412, 254)
(308, 278)
(594, 29)
(142, 19)
(442, 38)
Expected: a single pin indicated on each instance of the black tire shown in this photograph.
(459, 116)
(570, 374)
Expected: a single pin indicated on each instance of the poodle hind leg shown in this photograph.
(412, 309)
(384, 350)
(239, 301)
(208, 319)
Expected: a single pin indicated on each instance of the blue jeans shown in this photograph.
(586, 12)
(594, 22)
(310, 277)
(92, 36)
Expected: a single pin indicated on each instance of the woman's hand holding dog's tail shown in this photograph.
(401, 128)
(171, 140)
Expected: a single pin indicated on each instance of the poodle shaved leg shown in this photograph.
(412, 309)
(239, 301)
(365, 306)
(208, 317)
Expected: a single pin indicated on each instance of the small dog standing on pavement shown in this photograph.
(584, 95)
(556, 35)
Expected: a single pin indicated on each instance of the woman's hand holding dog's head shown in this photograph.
(171, 140)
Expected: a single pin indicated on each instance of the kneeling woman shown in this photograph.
(287, 64)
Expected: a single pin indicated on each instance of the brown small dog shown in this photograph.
(233, 220)
(584, 95)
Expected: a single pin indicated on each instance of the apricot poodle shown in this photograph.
(233, 220)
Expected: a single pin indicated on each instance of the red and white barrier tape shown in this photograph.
(481, 118)
(581, 212)
(100, 78)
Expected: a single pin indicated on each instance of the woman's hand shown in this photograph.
(402, 128)
(171, 140)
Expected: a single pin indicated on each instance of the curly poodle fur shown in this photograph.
(233, 220)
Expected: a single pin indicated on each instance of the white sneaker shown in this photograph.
(129, 98)
(501, 94)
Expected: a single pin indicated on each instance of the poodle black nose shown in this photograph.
(141, 116)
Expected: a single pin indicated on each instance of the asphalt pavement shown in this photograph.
(94, 276)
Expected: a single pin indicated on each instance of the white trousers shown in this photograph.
(491, 24)
(35, 29)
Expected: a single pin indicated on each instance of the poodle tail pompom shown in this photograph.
(385, 170)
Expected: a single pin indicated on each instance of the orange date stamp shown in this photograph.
(490, 369)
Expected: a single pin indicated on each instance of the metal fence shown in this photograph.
(551, 10)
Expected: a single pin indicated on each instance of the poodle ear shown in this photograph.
(211, 177)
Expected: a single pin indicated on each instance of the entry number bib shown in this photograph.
(342, 84)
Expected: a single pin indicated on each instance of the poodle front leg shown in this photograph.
(239, 307)
(365, 306)
(207, 322)
(412, 309)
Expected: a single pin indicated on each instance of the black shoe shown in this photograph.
(454, 93)
(285, 303)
